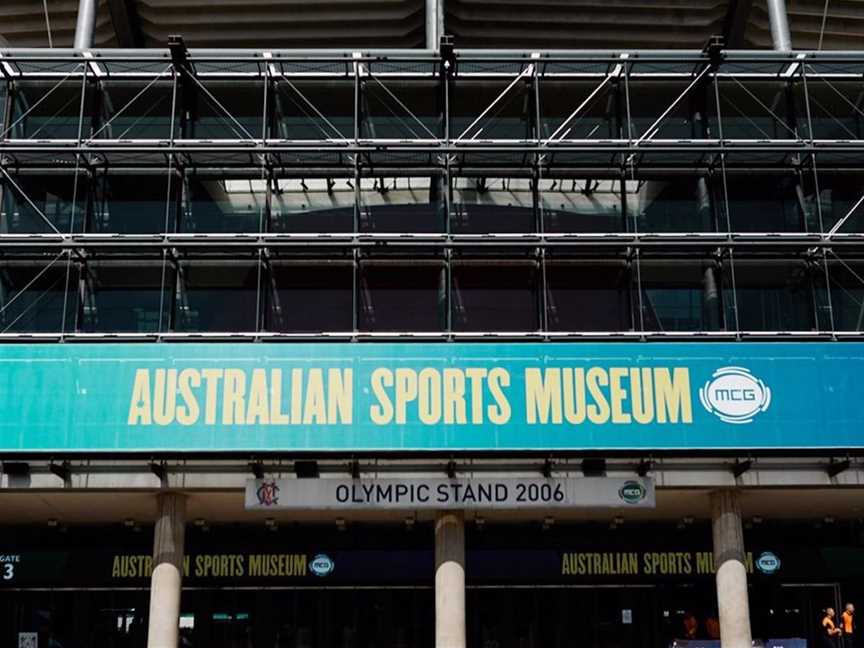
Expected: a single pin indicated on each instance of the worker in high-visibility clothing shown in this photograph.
(830, 633)
(847, 624)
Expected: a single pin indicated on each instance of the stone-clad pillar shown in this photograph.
(732, 600)
(167, 579)
(450, 580)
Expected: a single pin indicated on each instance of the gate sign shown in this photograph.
(442, 493)
(430, 397)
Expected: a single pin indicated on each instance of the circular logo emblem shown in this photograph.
(322, 565)
(767, 562)
(632, 492)
(735, 395)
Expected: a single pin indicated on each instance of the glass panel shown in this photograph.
(134, 204)
(217, 297)
(126, 297)
(312, 205)
(27, 198)
(588, 296)
(33, 297)
(401, 109)
(48, 110)
(129, 111)
(583, 205)
(839, 196)
(846, 278)
(307, 110)
(596, 120)
(761, 110)
(494, 296)
(307, 297)
(508, 117)
(396, 297)
(771, 296)
(414, 205)
(836, 108)
(680, 296)
(671, 204)
(766, 203)
(492, 205)
(224, 205)
(226, 110)
(690, 118)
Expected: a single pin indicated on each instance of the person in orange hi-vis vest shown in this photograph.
(847, 624)
(830, 633)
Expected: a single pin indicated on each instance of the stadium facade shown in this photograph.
(392, 341)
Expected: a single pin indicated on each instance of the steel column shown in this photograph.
(85, 25)
(434, 23)
(779, 25)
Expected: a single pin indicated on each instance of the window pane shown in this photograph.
(307, 297)
(680, 296)
(126, 297)
(494, 296)
(398, 297)
(33, 296)
(492, 205)
(588, 296)
(134, 204)
(839, 194)
(31, 197)
(219, 297)
(312, 205)
(583, 205)
(418, 116)
(414, 205)
(765, 203)
(847, 294)
(299, 110)
(227, 110)
(672, 204)
(224, 205)
(42, 111)
(131, 112)
(772, 296)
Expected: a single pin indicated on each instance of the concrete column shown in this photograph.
(450, 580)
(85, 25)
(732, 601)
(779, 21)
(167, 579)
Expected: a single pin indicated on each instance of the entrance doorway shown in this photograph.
(792, 610)
(559, 616)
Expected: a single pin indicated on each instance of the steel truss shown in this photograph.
(454, 118)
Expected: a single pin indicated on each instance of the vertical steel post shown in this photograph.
(85, 25)
(779, 25)
(434, 23)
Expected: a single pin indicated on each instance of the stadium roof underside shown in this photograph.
(384, 24)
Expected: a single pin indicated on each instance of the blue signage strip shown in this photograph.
(346, 397)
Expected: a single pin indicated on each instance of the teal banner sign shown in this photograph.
(355, 397)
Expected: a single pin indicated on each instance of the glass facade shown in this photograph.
(640, 585)
(575, 194)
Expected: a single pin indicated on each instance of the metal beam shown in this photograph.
(85, 24)
(127, 25)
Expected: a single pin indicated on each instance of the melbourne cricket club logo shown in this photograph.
(268, 493)
(735, 395)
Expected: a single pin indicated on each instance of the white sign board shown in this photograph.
(28, 640)
(443, 493)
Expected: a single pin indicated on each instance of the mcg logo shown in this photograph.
(735, 395)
